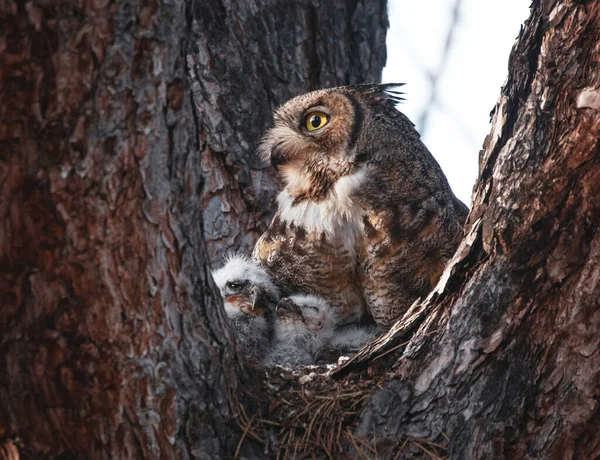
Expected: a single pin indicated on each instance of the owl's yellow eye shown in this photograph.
(315, 120)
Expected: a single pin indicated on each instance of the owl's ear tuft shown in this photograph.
(385, 92)
(391, 92)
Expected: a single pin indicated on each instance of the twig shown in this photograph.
(358, 449)
(431, 454)
(239, 446)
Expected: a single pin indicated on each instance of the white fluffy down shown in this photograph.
(336, 215)
(296, 343)
(252, 332)
(239, 267)
(353, 338)
(293, 344)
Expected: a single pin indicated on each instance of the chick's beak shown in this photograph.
(286, 305)
(255, 295)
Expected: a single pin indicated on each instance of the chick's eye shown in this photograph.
(314, 308)
(235, 285)
(316, 120)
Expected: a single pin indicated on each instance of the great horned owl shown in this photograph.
(366, 210)
(249, 297)
(303, 325)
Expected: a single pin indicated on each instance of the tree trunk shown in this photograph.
(113, 345)
(506, 362)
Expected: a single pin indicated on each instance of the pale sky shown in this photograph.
(475, 69)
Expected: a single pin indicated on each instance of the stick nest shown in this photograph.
(308, 414)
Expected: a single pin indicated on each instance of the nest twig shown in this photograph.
(305, 414)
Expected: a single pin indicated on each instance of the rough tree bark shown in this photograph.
(112, 343)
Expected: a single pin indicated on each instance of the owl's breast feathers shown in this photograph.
(354, 253)
(311, 247)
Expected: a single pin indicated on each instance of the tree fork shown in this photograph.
(112, 339)
(508, 364)
(502, 360)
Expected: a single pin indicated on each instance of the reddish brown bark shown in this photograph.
(108, 315)
(112, 343)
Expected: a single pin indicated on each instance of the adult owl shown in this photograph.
(366, 219)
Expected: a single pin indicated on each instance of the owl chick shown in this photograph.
(249, 297)
(346, 341)
(366, 210)
(349, 339)
(303, 325)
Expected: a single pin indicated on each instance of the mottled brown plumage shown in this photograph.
(367, 219)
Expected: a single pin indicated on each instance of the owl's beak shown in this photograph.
(277, 158)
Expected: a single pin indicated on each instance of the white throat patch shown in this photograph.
(337, 214)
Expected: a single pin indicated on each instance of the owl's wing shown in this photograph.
(407, 245)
